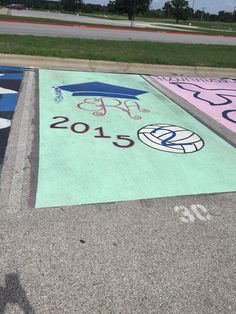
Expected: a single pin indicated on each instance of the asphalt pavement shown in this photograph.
(83, 31)
(165, 255)
(114, 34)
(93, 20)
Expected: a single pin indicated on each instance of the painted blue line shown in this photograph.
(173, 135)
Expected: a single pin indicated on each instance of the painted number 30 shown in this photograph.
(195, 212)
(123, 141)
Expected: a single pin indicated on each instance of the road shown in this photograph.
(110, 34)
(93, 20)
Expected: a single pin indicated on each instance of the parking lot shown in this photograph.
(118, 192)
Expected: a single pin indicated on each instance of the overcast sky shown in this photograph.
(211, 6)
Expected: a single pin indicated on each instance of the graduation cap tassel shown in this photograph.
(58, 94)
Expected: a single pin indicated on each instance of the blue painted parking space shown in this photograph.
(10, 82)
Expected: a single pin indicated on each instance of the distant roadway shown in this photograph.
(93, 32)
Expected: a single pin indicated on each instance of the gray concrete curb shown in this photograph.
(109, 66)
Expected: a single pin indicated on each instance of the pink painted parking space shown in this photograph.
(216, 97)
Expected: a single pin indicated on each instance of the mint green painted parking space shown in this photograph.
(89, 150)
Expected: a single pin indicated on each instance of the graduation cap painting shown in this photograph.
(103, 95)
(11, 73)
(103, 90)
(9, 69)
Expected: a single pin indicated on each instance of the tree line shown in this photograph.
(177, 9)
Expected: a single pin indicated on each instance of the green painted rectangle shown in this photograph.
(82, 168)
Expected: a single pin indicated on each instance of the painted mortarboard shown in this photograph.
(7, 69)
(102, 89)
(11, 73)
(10, 86)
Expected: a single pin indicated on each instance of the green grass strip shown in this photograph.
(121, 51)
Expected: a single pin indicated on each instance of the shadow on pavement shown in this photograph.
(14, 293)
